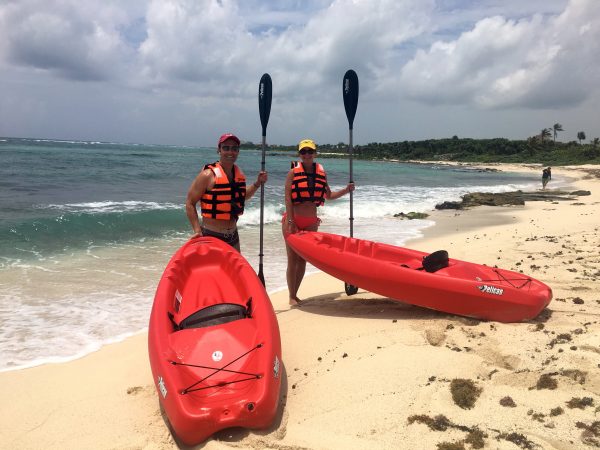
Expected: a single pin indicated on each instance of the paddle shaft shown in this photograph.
(351, 180)
(262, 206)
(265, 93)
(350, 96)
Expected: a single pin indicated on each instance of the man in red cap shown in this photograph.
(221, 190)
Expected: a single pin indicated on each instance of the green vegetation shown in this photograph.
(536, 149)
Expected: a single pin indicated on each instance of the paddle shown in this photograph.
(350, 93)
(265, 91)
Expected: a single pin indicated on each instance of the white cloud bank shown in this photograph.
(181, 71)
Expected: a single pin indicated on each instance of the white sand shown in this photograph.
(359, 367)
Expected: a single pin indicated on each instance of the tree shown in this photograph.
(544, 134)
(557, 127)
(595, 142)
(580, 136)
(532, 145)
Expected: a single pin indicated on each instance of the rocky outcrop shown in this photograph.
(509, 198)
(412, 215)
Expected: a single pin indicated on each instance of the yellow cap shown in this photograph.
(307, 143)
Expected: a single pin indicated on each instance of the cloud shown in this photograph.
(539, 62)
(71, 39)
(161, 67)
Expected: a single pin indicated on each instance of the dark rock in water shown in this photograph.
(412, 215)
(508, 198)
(449, 205)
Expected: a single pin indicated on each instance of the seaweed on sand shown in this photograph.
(464, 392)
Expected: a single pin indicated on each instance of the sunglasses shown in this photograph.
(233, 148)
(305, 151)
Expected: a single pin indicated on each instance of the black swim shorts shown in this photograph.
(232, 238)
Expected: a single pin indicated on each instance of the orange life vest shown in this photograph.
(225, 201)
(302, 190)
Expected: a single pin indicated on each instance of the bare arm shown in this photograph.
(260, 179)
(199, 186)
(332, 195)
(290, 226)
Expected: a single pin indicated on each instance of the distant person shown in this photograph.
(546, 176)
(221, 189)
(306, 189)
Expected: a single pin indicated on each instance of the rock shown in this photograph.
(488, 199)
(412, 215)
(449, 205)
(508, 198)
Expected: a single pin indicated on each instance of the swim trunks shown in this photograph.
(232, 238)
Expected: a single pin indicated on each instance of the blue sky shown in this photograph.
(185, 71)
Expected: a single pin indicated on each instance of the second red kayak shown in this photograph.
(463, 288)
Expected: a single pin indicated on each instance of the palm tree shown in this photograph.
(544, 134)
(595, 142)
(532, 145)
(580, 136)
(557, 127)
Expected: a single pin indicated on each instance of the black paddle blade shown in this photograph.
(261, 277)
(265, 93)
(350, 92)
(350, 289)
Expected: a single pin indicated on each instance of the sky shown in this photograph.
(182, 72)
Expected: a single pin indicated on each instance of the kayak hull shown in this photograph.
(462, 288)
(213, 343)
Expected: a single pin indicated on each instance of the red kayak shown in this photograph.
(214, 343)
(450, 285)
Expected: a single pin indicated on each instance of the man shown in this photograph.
(221, 190)
(546, 176)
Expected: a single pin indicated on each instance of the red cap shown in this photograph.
(226, 136)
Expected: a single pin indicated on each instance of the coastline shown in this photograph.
(359, 368)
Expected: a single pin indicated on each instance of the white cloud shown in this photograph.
(165, 66)
(530, 63)
(71, 39)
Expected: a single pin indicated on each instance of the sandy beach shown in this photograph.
(368, 372)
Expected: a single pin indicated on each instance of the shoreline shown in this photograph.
(399, 359)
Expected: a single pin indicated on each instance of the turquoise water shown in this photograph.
(86, 229)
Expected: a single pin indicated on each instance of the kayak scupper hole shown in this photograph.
(250, 406)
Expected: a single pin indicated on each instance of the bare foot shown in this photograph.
(295, 301)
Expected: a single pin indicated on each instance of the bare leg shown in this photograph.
(299, 276)
(299, 267)
(296, 268)
(291, 275)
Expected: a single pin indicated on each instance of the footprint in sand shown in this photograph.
(435, 337)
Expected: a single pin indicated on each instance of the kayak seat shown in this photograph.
(435, 261)
(214, 315)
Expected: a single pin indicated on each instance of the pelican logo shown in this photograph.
(217, 355)
(490, 289)
(161, 386)
(261, 90)
(276, 367)
(346, 86)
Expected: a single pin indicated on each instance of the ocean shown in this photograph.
(86, 229)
